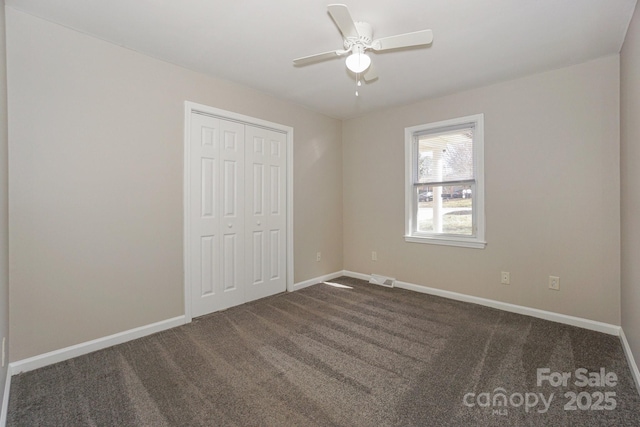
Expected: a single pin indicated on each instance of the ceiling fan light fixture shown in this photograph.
(357, 38)
(358, 61)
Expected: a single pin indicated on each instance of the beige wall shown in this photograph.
(96, 154)
(630, 183)
(4, 230)
(552, 198)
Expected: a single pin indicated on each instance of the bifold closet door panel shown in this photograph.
(216, 186)
(265, 204)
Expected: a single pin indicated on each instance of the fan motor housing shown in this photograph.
(365, 31)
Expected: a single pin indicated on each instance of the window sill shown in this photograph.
(447, 241)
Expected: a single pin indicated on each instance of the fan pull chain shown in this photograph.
(358, 83)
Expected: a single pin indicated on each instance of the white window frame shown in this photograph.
(411, 199)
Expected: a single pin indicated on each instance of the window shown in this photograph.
(444, 193)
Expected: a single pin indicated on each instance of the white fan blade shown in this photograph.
(317, 57)
(370, 74)
(343, 19)
(403, 40)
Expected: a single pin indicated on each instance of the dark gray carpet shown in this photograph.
(330, 356)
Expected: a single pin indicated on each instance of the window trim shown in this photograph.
(477, 241)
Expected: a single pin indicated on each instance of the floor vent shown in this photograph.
(382, 280)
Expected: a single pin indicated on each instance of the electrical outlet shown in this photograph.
(374, 256)
(505, 278)
(318, 256)
(554, 283)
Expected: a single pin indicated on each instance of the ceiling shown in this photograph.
(253, 42)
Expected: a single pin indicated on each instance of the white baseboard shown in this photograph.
(306, 283)
(66, 353)
(635, 373)
(512, 308)
(356, 275)
(56, 356)
(121, 337)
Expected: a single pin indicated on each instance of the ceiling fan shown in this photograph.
(358, 38)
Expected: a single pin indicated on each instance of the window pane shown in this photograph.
(445, 156)
(445, 209)
(444, 203)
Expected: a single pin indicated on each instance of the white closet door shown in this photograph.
(265, 212)
(217, 214)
